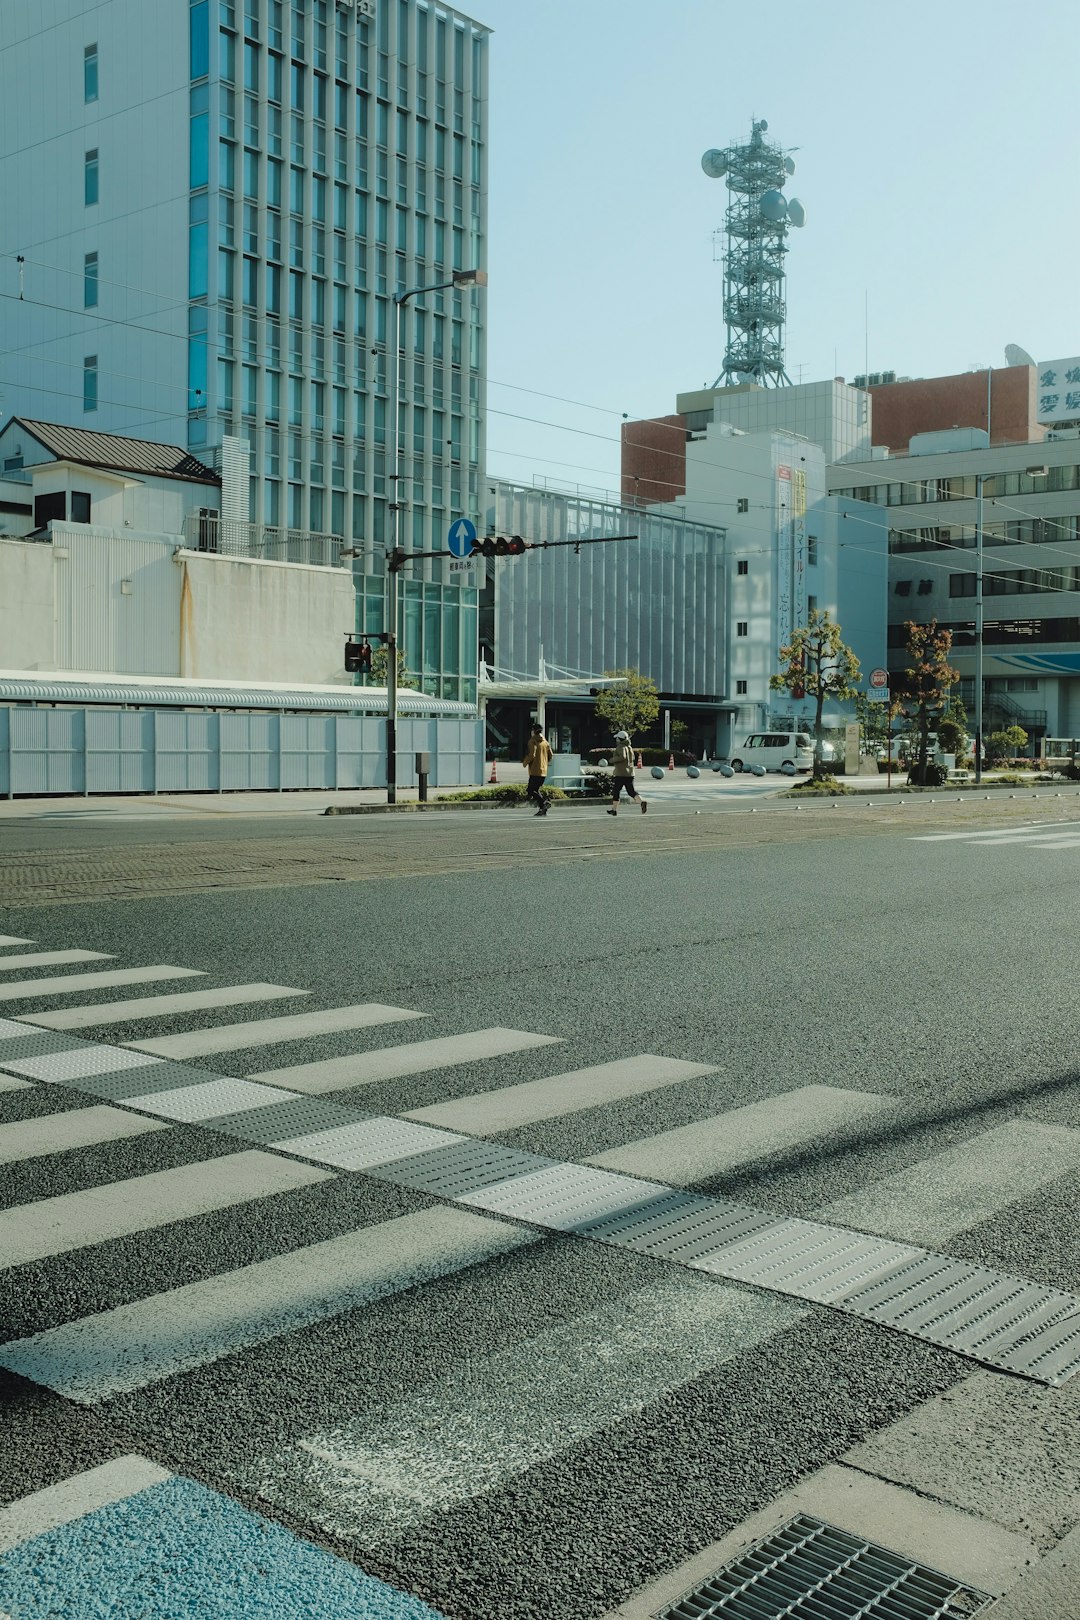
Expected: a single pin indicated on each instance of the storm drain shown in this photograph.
(809, 1570)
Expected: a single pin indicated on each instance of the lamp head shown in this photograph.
(470, 278)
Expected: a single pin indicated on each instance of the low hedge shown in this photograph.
(508, 793)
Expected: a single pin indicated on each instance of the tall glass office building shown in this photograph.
(209, 208)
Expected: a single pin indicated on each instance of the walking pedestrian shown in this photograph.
(537, 759)
(622, 774)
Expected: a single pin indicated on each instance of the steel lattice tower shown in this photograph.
(755, 244)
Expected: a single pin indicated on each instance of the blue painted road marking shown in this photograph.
(461, 537)
(177, 1551)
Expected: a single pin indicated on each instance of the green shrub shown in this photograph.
(599, 784)
(929, 775)
(507, 793)
(1010, 778)
(826, 786)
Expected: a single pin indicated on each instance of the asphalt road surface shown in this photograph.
(484, 1216)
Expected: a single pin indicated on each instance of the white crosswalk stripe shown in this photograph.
(184, 1001)
(51, 1226)
(78, 1127)
(72, 983)
(10, 964)
(1052, 835)
(273, 1031)
(13, 939)
(392, 1062)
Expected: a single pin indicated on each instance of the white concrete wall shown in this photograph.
(120, 604)
(26, 606)
(262, 621)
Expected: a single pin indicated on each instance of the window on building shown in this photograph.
(743, 504)
(90, 73)
(90, 281)
(90, 383)
(811, 604)
(80, 506)
(902, 587)
(811, 548)
(925, 587)
(740, 688)
(200, 39)
(50, 508)
(742, 566)
(742, 628)
(90, 177)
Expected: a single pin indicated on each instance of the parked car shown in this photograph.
(787, 751)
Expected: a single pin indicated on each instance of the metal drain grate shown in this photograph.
(464, 1167)
(809, 1570)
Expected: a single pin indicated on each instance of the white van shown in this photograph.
(787, 751)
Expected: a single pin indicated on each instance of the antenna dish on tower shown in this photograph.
(1016, 356)
(755, 243)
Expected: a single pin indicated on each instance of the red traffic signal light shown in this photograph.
(358, 657)
(498, 545)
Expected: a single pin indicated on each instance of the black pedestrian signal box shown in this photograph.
(358, 657)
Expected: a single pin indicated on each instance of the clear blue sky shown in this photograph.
(938, 145)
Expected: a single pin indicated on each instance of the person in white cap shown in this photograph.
(622, 774)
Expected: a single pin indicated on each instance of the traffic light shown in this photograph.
(358, 657)
(499, 545)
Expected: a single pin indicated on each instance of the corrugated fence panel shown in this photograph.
(187, 752)
(99, 750)
(361, 751)
(47, 750)
(249, 751)
(308, 750)
(119, 751)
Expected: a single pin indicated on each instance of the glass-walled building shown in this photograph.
(216, 202)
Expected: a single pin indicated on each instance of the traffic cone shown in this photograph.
(493, 777)
(671, 762)
(639, 762)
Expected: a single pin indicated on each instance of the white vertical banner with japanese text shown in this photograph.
(798, 530)
(783, 556)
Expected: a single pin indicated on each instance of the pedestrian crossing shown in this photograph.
(1048, 835)
(439, 1203)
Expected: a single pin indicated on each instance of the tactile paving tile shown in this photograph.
(300, 1116)
(450, 1172)
(564, 1197)
(161, 1076)
(74, 1064)
(375, 1141)
(811, 1261)
(1004, 1321)
(680, 1226)
(32, 1043)
(194, 1104)
(11, 1029)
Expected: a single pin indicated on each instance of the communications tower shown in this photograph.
(755, 242)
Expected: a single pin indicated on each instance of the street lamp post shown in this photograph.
(978, 626)
(394, 557)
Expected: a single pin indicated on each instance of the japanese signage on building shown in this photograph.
(798, 532)
(784, 557)
(1058, 390)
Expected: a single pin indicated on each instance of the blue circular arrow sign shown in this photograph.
(461, 537)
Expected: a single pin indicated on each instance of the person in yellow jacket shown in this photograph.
(622, 774)
(537, 759)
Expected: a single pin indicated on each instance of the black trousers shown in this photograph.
(626, 782)
(533, 791)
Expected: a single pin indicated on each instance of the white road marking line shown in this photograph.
(168, 1333)
(487, 1113)
(480, 1425)
(950, 1191)
(51, 1226)
(273, 1031)
(708, 1147)
(366, 1143)
(13, 939)
(64, 985)
(992, 834)
(392, 1062)
(78, 1064)
(8, 1082)
(75, 1128)
(8, 964)
(73, 1498)
(122, 1012)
